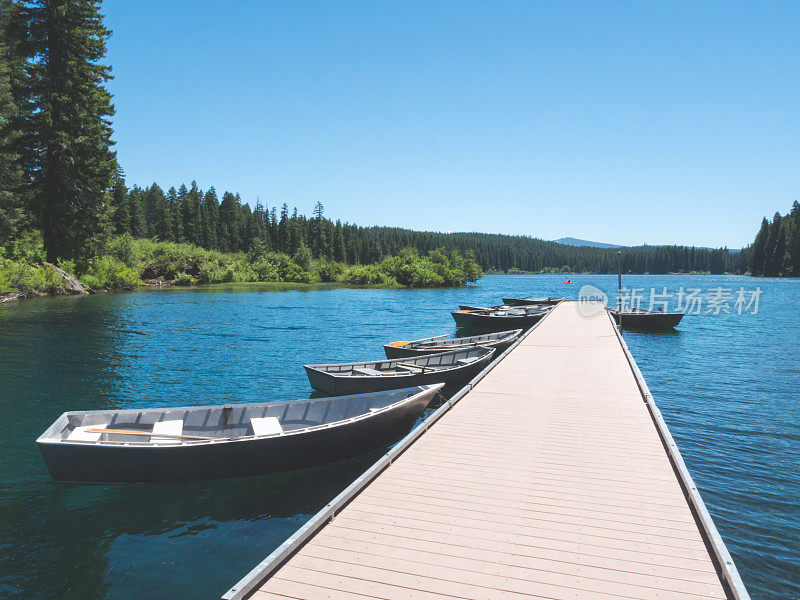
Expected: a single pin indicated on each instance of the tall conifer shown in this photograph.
(72, 126)
(13, 112)
(120, 205)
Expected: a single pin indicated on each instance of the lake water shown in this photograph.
(728, 385)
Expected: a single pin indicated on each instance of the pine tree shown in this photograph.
(295, 234)
(191, 213)
(209, 215)
(757, 251)
(260, 227)
(793, 240)
(72, 126)
(319, 238)
(772, 256)
(161, 224)
(273, 227)
(228, 231)
(120, 205)
(283, 229)
(12, 175)
(176, 221)
(245, 225)
(138, 226)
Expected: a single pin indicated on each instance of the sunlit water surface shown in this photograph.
(728, 386)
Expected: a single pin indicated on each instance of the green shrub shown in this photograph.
(68, 266)
(258, 248)
(438, 269)
(30, 279)
(183, 278)
(211, 273)
(29, 247)
(295, 274)
(329, 270)
(123, 248)
(266, 270)
(303, 257)
(367, 275)
(107, 272)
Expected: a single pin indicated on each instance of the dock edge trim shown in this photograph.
(292, 544)
(723, 557)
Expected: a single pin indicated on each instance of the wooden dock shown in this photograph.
(551, 476)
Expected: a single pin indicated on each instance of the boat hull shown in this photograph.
(489, 322)
(649, 320)
(75, 462)
(529, 301)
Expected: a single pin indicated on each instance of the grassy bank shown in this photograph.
(126, 262)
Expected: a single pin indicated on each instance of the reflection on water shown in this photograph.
(727, 386)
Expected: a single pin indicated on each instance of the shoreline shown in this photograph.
(152, 285)
(164, 284)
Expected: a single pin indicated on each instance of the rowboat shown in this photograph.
(506, 307)
(482, 308)
(499, 341)
(526, 301)
(638, 318)
(499, 320)
(453, 368)
(207, 442)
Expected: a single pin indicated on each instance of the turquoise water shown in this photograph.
(728, 386)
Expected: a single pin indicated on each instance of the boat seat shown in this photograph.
(465, 361)
(366, 371)
(265, 425)
(80, 434)
(173, 427)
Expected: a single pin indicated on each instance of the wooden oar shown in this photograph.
(150, 433)
(401, 344)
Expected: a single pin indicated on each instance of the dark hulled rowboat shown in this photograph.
(206, 442)
(551, 300)
(501, 320)
(526, 308)
(454, 368)
(482, 308)
(499, 341)
(638, 318)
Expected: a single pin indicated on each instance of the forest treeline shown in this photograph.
(189, 214)
(776, 250)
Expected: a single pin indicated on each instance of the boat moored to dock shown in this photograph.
(551, 300)
(208, 442)
(453, 368)
(526, 308)
(498, 320)
(499, 341)
(638, 318)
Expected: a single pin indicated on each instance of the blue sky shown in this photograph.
(624, 122)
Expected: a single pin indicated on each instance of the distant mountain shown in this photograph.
(571, 241)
